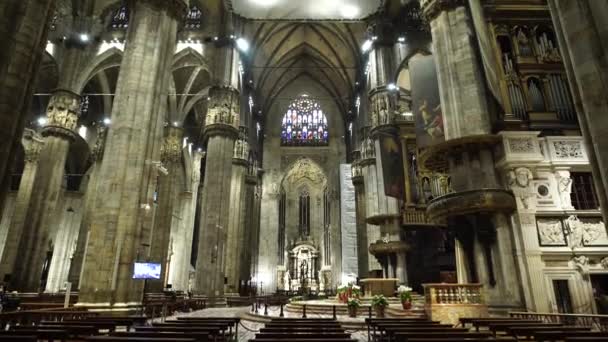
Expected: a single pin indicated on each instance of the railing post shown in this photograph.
(369, 310)
(266, 308)
(281, 313)
(334, 312)
(304, 311)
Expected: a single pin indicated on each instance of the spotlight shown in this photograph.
(107, 121)
(367, 45)
(401, 39)
(391, 86)
(175, 123)
(42, 121)
(84, 37)
(242, 44)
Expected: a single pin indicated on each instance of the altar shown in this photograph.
(379, 286)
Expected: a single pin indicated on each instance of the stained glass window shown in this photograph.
(304, 124)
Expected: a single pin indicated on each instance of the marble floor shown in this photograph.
(247, 329)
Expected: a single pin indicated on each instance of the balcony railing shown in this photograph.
(454, 294)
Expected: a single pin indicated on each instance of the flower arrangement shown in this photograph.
(379, 303)
(346, 291)
(405, 294)
(353, 304)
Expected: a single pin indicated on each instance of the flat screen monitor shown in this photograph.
(146, 270)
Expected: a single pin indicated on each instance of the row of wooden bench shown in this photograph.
(535, 330)
(184, 329)
(480, 329)
(302, 330)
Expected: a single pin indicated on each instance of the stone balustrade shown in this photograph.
(447, 303)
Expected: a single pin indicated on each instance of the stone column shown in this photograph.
(220, 132)
(89, 201)
(236, 223)
(180, 261)
(37, 239)
(362, 239)
(251, 221)
(580, 30)
(368, 170)
(478, 200)
(170, 157)
(24, 26)
(118, 229)
(32, 145)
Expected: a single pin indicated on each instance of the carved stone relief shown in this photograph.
(305, 168)
(586, 232)
(63, 110)
(521, 145)
(551, 232)
(581, 263)
(519, 182)
(568, 150)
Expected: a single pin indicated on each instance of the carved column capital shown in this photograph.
(171, 149)
(223, 113)
(432, 8)
(32, 145)
(62, 114)
(178, 9)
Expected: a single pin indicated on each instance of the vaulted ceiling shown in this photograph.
(327, 52)
(310, 9)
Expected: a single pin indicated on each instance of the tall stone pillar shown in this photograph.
(179, 275)
(33, 143)
(89, 201)
(62, 116)
(118, 226)
(170, 157)
(479, 202)
(368, 171)
(236, 222)
(362, 239)
(250, 222)
(220, 132)
(24, 26)
(580, 30)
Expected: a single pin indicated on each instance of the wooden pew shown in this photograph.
(197, 336)
(405, 336)
(18, 338)
(137, 339)
(72, 330)
(392, 331)
(555, 335)
(472, 320)
(530, 331)
(100, 325)
(40, 334)
(496, 328)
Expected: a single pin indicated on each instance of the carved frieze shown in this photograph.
(289, 158)
(62, 113)
(568, 149)
(224, 107)
(381, 109)
(521, 145)
(305, 169)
